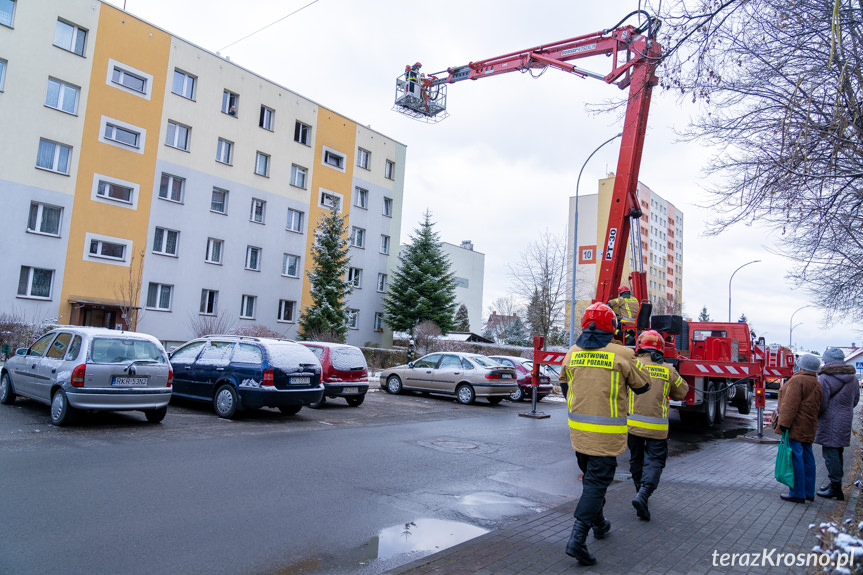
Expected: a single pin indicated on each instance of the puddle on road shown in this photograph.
(489, 505)
(424, 535)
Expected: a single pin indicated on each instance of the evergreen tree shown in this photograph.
(326, 319)
(704, 316)
(514, 333)
(422, 288)
(462, 321)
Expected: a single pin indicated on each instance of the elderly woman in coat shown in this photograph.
(841, 394)
(798, 406)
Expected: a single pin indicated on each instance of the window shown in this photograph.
(303, 133)
(184, 84)
(382, 282)
(219, 201)
(69, 37)
(2, 73)
(247, 307)
(214, 251)
(223, 151)
(178, 136)
(390, 170)
(361, 198)
(132, 80)
(253, 258)
(35, 282)
(379, 321)
(44, 219)
(165, 241)
(358, 237)
(62, 96)
(209, 301)
(115, 191)
(334, 159)
(262, 164)
(258, 211)
(330, 200)
(159, 296)
(122, 135)
(353, 318)
(295, 220)
(53, 156)
(363, 158)
(298, 176)
(105, 249)
(230, 103)
(286, 310)
(388, 207)
(385, 244)
(266, 119)
(291, 266)
(355, 277)
(7, 12)
(171, 188)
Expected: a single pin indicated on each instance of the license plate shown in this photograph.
(507, 376)
(301, 380)
(130, 381)
(350, 390)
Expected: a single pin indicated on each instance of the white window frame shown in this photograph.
(62, 88)
(31, 271)
(379, 321)
(295, 221)
(11, 16)
(230, 100)
(101, 241)
(388, 207)
(286, 269)
(155, 289)
(134, 189)
(253, 211)
(3, 65)
(303, 133)
(355, 277)
(56, 160)
(169, 188)
(265, 170)
(326, 197)
(353, 318)
(286, 304)
(109, 127)
(224, 148)
(248, 303)
(361, 199)
(258, 254)
(40, 219)
(177, 128)
(77, 31)
(390, 170)
(296, 173)
(358, 237)
(224, 200)
(163, 248)
(211, 248)
(385, 244)
(338, 157)
(189, 83)
(209, 302)
(124, 70)
(382, 283)
(267, 118)
(364, 158)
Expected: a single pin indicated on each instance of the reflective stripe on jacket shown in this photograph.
(598, 380)
(626, 309)
(648, 412)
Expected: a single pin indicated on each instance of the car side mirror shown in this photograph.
(411, 364)
(21, 351)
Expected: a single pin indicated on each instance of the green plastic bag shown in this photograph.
(784, 470)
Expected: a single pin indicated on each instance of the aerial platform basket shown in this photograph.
(421, 97)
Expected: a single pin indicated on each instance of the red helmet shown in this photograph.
(650, 339)
(601, 316)
(623, 288)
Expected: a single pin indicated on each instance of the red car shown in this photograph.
(522, 370)
(344, 371)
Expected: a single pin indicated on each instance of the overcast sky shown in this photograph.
(499, 171)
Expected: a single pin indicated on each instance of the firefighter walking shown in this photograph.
(598, 373)
(648, 420)
(626, 309)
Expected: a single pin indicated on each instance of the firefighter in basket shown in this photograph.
(626, 309)
(598, 373)
(648, 419)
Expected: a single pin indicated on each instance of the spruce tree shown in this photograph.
(704, 315)
(326, 319)
(462, 321)
(423, 288)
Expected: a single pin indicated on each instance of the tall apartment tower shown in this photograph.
(142, 171)
(660, 233)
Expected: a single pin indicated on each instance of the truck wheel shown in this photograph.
(721, 404)
(745, 404)
(708, 407)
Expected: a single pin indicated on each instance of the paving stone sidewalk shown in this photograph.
(720, 499)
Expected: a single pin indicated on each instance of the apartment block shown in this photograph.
(144, 172)
(468, 268)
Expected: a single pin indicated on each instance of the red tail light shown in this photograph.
(78, 376)
(492, 376)
(268, 377)
(170, 377)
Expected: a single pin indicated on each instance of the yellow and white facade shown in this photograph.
(138, 165)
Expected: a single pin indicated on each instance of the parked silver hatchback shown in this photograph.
(87, 368)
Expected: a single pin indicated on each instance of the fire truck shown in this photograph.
(721, 362)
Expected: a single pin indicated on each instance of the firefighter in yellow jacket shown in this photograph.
(626, 308)
(648, 420)
(598, 373)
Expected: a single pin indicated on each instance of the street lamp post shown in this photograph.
(575, 242)
(791, 325)
(729, 285)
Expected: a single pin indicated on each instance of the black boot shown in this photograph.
(832, 491)
(601, 528)
(640, 502)
(577, 547)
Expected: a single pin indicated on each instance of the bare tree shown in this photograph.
(426, 334)
(539, 277)
(258, 330)
(210, 324)
(501, 313)
(781, 82)
(128, 292)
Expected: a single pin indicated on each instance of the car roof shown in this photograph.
(329, 344)
(511, 357)
(233, 337)
(94, 331)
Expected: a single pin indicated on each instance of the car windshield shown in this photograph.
(484, 361)
(288, 355)
(347, 358)
(117, 350)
